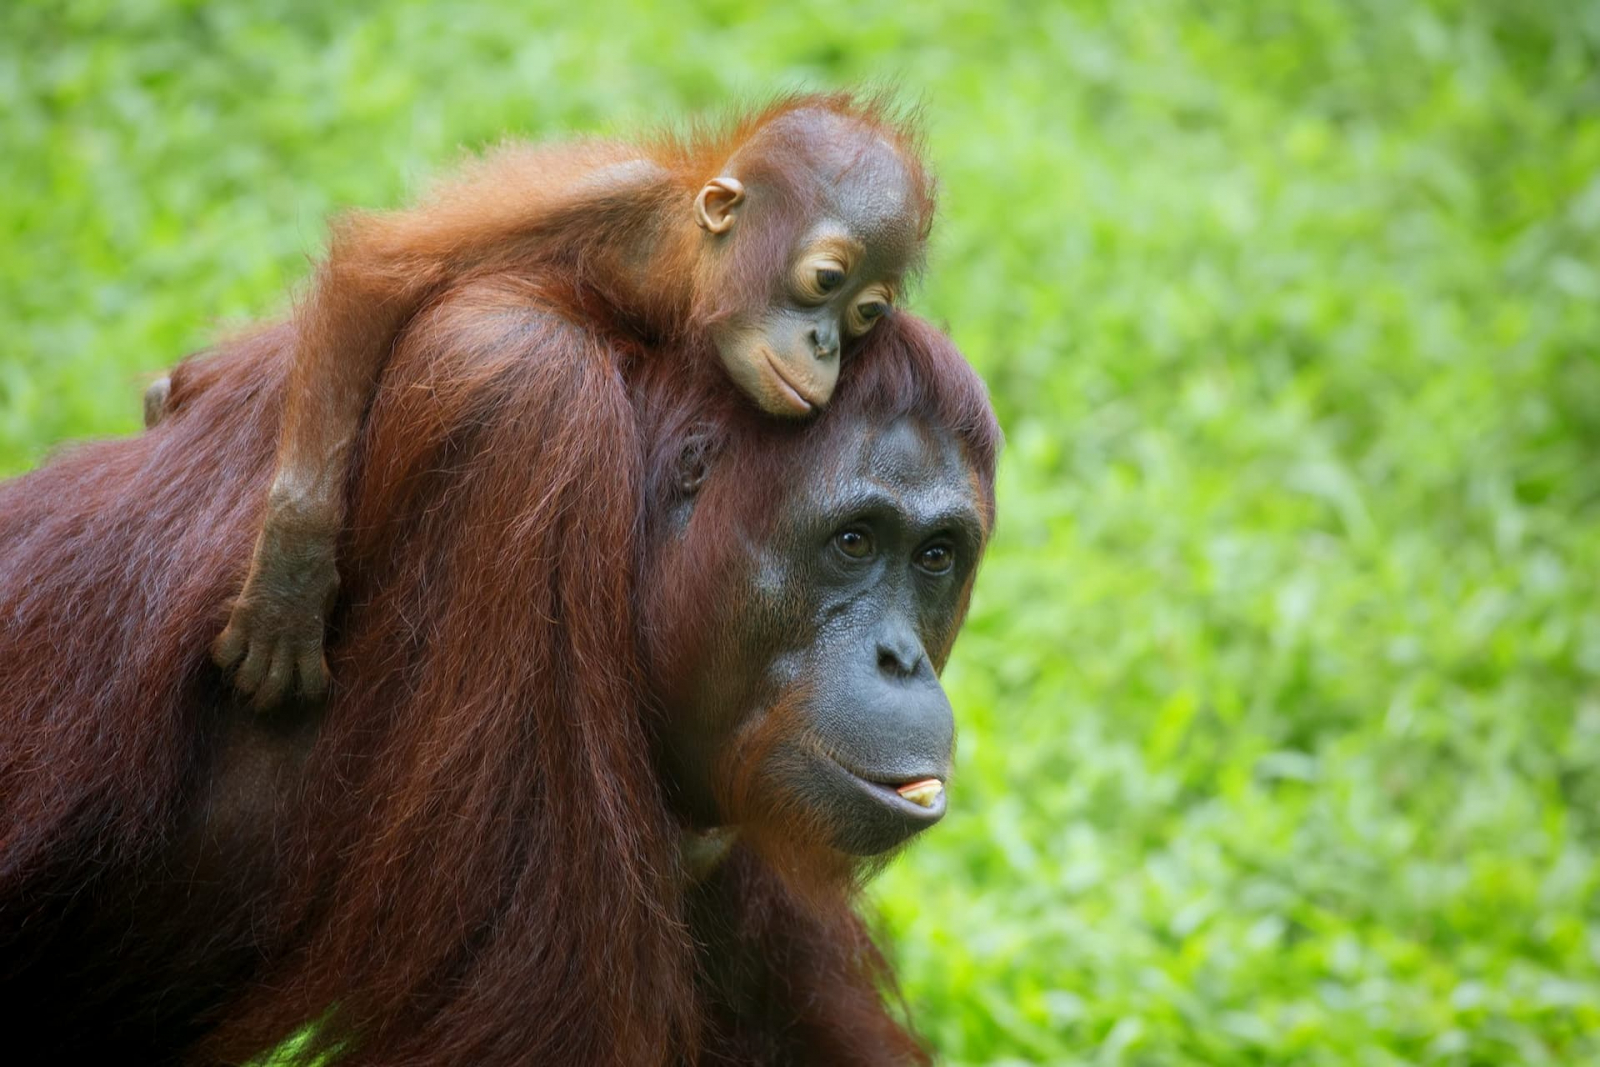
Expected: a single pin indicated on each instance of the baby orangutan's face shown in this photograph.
(842, 276)
(786, 357)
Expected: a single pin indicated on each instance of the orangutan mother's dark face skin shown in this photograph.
(816, 686)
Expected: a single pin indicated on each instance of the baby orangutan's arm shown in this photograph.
(380, 271)
(273, 640)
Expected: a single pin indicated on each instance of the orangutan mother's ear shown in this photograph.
(694, 462)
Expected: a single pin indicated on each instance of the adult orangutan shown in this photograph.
(770, 247)
(621, 714)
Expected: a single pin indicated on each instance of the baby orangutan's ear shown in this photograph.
(714, 207)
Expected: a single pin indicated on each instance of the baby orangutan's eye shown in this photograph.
(816, 276)
(872, 305)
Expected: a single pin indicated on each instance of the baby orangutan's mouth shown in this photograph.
(792, 393)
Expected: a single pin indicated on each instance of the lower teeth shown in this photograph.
(922, 794)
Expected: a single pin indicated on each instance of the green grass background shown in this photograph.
(1280, 700)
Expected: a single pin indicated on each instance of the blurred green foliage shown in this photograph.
(1280, 699)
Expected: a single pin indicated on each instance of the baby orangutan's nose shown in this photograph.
(825, 343)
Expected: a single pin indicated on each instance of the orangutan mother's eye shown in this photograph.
(936, 558)
(854, 542)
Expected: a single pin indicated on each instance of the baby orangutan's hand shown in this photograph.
(272, 644)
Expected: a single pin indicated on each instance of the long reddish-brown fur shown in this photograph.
(570, 214)
(468, 856)
(601, 232)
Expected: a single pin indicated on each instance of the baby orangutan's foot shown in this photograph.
(272, 644)
(155, 400)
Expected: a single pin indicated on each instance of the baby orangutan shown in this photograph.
(774, 245)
